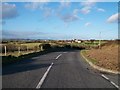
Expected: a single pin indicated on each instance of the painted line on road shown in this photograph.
(44, 76)
(105, 77)
(64, 52)
(115, 85)
(58, 56)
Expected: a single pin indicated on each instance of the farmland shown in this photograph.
(17, 48)
(25, 48)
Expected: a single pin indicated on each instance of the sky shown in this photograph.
(59, 20)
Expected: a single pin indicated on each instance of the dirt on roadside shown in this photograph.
(106, 57)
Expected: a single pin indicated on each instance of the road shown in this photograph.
(63, 69)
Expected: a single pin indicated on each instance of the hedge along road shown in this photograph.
(63, 69)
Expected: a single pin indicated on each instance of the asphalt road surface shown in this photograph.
(64, 69)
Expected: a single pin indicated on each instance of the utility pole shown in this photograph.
(5, 50)
(99, 40)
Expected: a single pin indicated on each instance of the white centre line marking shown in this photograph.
(58, 56)
(64, 52)
(44, 76)
(110, 81)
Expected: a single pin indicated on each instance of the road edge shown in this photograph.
(97, 67)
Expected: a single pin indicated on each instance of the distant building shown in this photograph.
(77, 41)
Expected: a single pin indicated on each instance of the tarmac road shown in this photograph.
(63, 69)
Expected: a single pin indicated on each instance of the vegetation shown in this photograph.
(94, 61)
(45, 46)
(17, 49)
(106, 56)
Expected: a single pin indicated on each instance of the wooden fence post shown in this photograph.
(5, 50)
(18, 51)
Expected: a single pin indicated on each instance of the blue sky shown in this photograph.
(60, 20)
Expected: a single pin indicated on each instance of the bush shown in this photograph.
(67, 46)
(11, 47)
(36, 48)
(23, 48)
(45, 46)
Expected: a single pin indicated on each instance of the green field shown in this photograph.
(95, 43)
(29, 46)
(34, 47)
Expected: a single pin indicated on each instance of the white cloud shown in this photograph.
(114, 18)
(21, 34)
(87, 24)
(101, 10)
(33, 5)
(36, 5)
(64, 4)
(48, 12)
(43, 0)
(8, 11)
(42, 5)
(89, 2)
(69, 17)
(86, 10)
(76, 11)
(88, 5)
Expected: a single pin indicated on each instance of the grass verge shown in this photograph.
(100, 68)
(92, 60)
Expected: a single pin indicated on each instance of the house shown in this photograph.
(77, 41)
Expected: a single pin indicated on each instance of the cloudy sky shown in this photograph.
(59, 20)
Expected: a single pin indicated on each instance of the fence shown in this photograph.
(17, 50)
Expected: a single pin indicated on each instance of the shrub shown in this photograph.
(36, 48)
(45, 46)
(67, 46)
(11, 47)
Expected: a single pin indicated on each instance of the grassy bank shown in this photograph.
(93, 60)
(105, 57)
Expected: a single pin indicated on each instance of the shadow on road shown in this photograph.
(23, 68)
(27, 64)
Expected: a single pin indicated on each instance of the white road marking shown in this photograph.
(64, 52)
(114, 84)
(110, 81)
(105, 77)
(44, 76)
(58, 56)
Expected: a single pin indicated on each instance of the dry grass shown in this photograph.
(31, 45)
(16, 53)
(106, 57)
